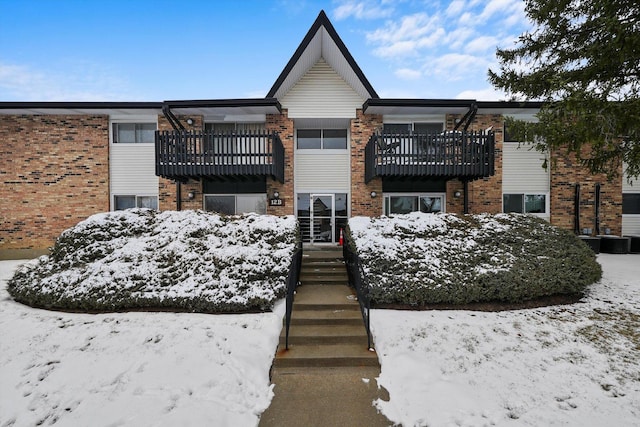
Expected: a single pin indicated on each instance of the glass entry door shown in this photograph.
(322, 218)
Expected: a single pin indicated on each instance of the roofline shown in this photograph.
(241, 102)
(5, 105)
(410, 102)
(322, 20)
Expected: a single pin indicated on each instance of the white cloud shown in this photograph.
(487, 94)
(414, 32)
(455, 7)
(361, 10)
(408, 74)
(77, 82)
(482, 44)
(456, 66)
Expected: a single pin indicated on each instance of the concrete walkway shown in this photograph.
(327, 377)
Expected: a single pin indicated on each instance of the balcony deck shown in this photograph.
(184, 155)
(464, 155)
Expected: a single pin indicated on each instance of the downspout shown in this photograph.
(576, 210)
(176, 125)
(178, 196)
(468, 117)
(597, 207)
(465, 190)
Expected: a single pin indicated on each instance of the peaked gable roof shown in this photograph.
(322, 41)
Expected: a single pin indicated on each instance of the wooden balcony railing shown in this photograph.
(451, 154)
(183, 155)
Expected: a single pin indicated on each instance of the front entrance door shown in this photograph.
(322, 218)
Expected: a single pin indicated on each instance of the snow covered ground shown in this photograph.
(133, 369)
(573, 365)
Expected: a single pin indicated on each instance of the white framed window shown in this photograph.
(121, 202)
(402, 203)
(133, 132)
(321, 139)
(631, 203)
(235, 204)
(536, 204)
(421, 127)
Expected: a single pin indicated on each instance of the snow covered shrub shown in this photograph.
(188, 260)
(420, 259)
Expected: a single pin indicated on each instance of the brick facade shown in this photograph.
(167, 189)
(566, 172)
(362, 204)
(485, 195)
(54, 172)
(282, 124)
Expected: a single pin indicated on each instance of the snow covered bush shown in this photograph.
(188, 260)
(420, 259)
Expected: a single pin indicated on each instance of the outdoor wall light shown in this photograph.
(189, 121)
(191, 195)
(373, 194)
(276, 195)
(457, 193)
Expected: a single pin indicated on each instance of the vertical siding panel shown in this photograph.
(322, 171)
(322, 93)
(522, 170)
(132, 169)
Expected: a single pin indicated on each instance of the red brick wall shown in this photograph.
(485, 195)
(167, 188)
(362, 204)
(54, 172)
(282, 124)
(565, 173)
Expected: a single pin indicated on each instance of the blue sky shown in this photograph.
(144, 50)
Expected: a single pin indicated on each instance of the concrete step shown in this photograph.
(332, 355)
(324, 269)
(324, 280)
(349, 316)
(323, 295)
(323, 334)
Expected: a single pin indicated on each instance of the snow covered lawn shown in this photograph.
(573, 365)
(133, 369)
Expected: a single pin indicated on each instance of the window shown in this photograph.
(231, 127)
(319, 139)
(631, 203)
(405, 203)
(128, 202)
(524, 203)
(130, 133)
(235, 204)
(422, 128)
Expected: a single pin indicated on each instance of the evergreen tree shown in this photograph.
(582, 58)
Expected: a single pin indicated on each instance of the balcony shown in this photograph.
(184, 155)
(450, 154)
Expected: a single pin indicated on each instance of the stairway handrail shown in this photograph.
(293, 279)
(358, 281)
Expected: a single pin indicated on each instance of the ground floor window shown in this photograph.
(321, 216)
(524, 203)
(235, 204)
(630, 203)
(402, 203)
(127, 202)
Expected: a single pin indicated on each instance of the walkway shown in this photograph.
(328, 376)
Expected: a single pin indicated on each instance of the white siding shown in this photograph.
(132, 170)
(631, 225)
(321, 93)
(522, 170)
(322, 172)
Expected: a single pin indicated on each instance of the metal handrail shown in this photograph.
(358, 281)
(292, 283)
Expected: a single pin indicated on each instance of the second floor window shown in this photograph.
(130, 133)
(322, 139)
